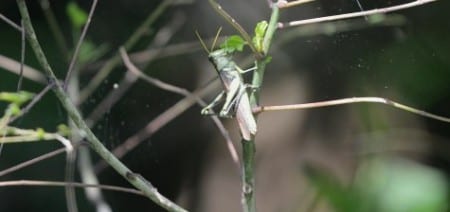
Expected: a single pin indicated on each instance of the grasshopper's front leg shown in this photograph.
(208, 110)
(247, 70)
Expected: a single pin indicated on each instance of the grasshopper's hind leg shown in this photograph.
(208, 110)
(229, 110)
(233, 99)
(233, 93)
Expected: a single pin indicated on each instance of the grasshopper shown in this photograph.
(235, 90)
(235, 94)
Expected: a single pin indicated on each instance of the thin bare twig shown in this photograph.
(139, 182)
(156, 82)
(175, 89)
(54, 28)
(85, 163)
(143, 56)
(28, 72)
(115, 60)
(72, 184)
(111, 99)
(352, 101)
(22, 56)
(162, 37)
(80, 41)
(157, 123)
(286, 4)
(69, 175)
(339, 26)
(88, 176)
(11, 23)
(35, 100)
(32, 161)
(355, 14)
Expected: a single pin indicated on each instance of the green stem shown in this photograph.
(73, 113)
(248, 184)
(271, 29)
(249, 147)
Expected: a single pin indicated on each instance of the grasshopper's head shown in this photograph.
(220, 58)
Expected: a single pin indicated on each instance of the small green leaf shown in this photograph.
(17, 98)
(40, 133)
(13, 110)
(233, 43)
(77, 16)
(267, 59)
(63, 130)
(260, 31)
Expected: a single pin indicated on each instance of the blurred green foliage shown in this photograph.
(77, 15)
(384, 184)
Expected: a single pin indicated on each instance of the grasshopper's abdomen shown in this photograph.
(237, 102)
(244, 116)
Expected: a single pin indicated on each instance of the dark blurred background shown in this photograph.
(358, 157)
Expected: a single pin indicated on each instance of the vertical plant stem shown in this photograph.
(249, 147)
(135, 179)
(248, 184)
(23, 47)
(272, 28)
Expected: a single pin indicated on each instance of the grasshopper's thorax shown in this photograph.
(221, 59)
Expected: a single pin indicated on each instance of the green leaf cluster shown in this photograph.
(236, 43)
(233, 43)
(260, 31)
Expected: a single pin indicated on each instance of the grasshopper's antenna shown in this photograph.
(215, 38)
(201, 41)
(234, 23)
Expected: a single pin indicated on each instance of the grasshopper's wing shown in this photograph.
(233, 85)
(244, 116)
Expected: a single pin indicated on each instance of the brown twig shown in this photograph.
(11, 23)
(160, 121)
(115, 60)
(55, 28)
(22, 56)
(28, 72)
(355, 14)
(352, 100)
(148, 189)
(80, 41)
(33, 102)
(71, 184)
(163, 36)
(184, 92)
(287, 4)
(143, 56)
(32, 161)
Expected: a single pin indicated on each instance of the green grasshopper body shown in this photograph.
(237, 102)
(235, 93)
